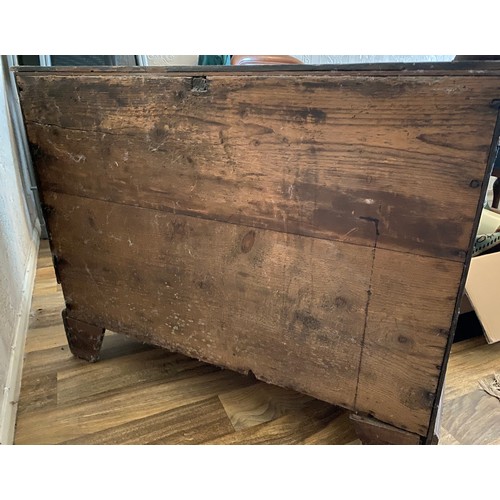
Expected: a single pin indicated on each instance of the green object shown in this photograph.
(214, 60)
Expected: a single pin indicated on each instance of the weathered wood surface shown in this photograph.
(311, 155)
(263, 301)
(311, 228)
(408, 323)
(254, 300)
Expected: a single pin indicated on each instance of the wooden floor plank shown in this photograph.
(473, 418)
(260, 403)
(125, 372)
(59, 358)
(188, 424)
(468, 366)
(39, 392)
(46, 337)
(313, 424)
(445, 438)
(87, 416)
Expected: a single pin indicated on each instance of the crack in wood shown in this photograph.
(369, 296)
(376, 222)
(86, 131)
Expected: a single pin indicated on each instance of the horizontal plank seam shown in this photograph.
(243, 224)
(106, 132)
(130, 390)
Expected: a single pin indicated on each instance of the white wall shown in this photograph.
(172, 60)
(370, 59)
(16, 243)
(168, 60)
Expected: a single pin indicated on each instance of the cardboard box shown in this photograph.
(482, 294)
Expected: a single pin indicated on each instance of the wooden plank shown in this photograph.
(409, 315)
(194, 423)
(407, 151)
(45, 338)
(233, 297)
(471, 360)
(473, 418)
(47, 361)
(94, 414)
(125, 372)
(260, 403)
(37, 393)
(315, 423)
(45, 309)
(446, 438)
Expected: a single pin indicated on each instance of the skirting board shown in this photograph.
(8, 409)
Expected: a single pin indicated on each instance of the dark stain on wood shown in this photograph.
(307, 320)
(309, 115)
(248, 241)
(341, 301)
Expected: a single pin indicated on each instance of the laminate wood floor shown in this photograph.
(139, 394)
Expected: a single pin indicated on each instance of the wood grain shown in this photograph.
(260, 403)
(218, 292)
(114, 408)
(192, 423)
(46, 338)
(45, 310)
(408, 321)
(45, 361)
(317, 420)
(39, 392)
(314, 155)
(477, 360)
(126, 371)
(473, 418)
